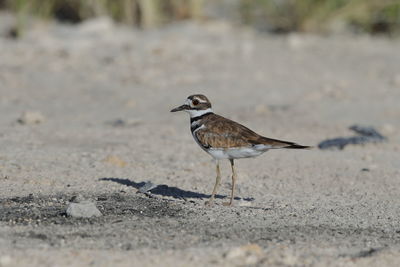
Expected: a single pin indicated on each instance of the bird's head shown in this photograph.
(195, 105)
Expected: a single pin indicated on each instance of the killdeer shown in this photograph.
(225, 139)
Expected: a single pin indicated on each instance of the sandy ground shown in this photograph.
(105, 92)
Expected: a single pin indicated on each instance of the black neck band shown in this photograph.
(199, 117)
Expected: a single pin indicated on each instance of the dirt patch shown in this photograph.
(140, 221)
(45, 210)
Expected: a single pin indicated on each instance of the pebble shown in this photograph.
(84, 209)
(123, 123)
(31, 117)
(147, 187)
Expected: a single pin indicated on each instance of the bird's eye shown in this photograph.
(195, 102)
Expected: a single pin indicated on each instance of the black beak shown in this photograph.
(183, 107)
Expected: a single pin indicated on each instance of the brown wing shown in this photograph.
(220, 132)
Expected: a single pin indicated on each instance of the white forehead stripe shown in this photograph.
(188, 101)
(200, 100)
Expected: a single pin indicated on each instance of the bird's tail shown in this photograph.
(275, 143)
(296, 146)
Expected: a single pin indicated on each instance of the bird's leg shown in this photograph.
(217, 182)
(233, 184)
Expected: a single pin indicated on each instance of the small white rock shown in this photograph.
(31, 117)
(84, 209)
(147, 187)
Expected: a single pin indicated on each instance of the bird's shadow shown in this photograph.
(165, 190)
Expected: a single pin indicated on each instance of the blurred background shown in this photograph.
(277, 16)
(269, 57)
(321, 63)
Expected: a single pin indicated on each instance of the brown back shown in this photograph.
(220, 132)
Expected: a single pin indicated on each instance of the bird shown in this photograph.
(223, 138)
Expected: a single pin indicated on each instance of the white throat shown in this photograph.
(196, 113)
